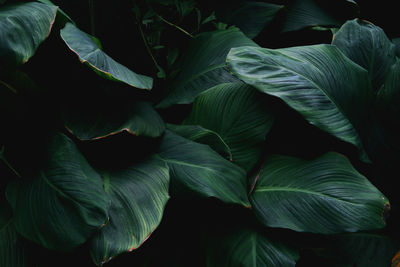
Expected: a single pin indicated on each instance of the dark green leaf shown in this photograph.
(88, 52)
(249, 248)
(208, 50)
(62, 17)
(236, 112)
(319, 82)
(368, 46)
(326, 195)
(202, 170)
(250, 17)
(98, 120)
(64, 203)
(203, 136)
(23, 27)
(138, 197)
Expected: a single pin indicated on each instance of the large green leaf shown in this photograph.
(368, 46)
(388, 98)
(249, 16)
(105, 117)
(202, 170)
(88, 52)
(237, 112)
(318, 81)
(23, 27)
(64, 203)
(325, 195)
(203, 65)
(247, 247)
(309, 13)
(138, 197)
(203, 136)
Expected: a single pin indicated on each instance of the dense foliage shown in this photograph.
(190, 133)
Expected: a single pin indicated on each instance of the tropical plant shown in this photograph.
(163, 133)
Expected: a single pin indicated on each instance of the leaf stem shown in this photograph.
(12, 89)
(7, 163)
(176, 26)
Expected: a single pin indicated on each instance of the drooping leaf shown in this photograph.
(23, 27)
(325, 195)
(308, 13)
(250, 17)
(202, 170)
(247, 247)
(208, 50)
(138, 197)
(360, 249)
(64, 203)
(318, 81)
(237, 112)
(88, 52)
(203, 136)
(104, 118)
(368, 46)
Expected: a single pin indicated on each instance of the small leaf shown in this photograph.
(138, 197)
(326, 195)
(88, 52)
(23, 27)
(202, 170)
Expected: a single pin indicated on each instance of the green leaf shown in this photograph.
(203, 136)
(202, 170)
(247, 247)
(388, 98)
(88, 52)
(12, 253)
(104, 118)
(308, 13)
(237, 112)
(23, 27)
(318, 81)
(250, 17)
(368, 46)
(208, 50)
(64, 203)
(325, 195)
(62, 17)
(138, 197)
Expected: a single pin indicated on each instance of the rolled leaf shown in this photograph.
(236, 112)
(318, 81)
(326, 195)
(368, 46)
(247, 247)
(209, 51)
(88, 52)
(202, 170)
(138, 197)
(64, 203)
(23, 27)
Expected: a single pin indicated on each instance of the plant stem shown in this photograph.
(176, 26)
(146, 44)
(8, 86)
(92, 24)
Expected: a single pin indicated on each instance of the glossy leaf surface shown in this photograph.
(138, 197)
(88, 52)
(236, 112)
(23, 27)
(209, 51)
(63, 203)
(326, 195)
(201, 170)
(318, 81)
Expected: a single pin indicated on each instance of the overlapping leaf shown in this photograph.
(203, 65)
(326, 195)
(202, 170)
(23, 27)
(249, 248)
(368, 46)
(88, 52)
(138, 197)
(318, 81)
(64, 203)
(236, 112)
